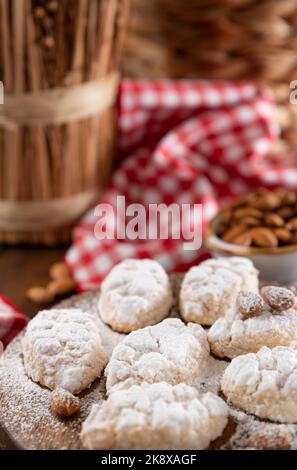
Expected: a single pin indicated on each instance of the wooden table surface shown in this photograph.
(20, 269)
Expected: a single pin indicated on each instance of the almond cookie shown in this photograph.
(63, 349)
(231, 338)
(210, 289)
(170, 351)
(264, 384)
(155, 416)
(136, 293)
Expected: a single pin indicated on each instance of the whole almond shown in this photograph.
(260, 192)
(282, 234)
(268, 201)
(244, 239)
(286, 212)
(250, 221)
(274, 220)
(289, 198)
(239, 202)
(63, 403)
(40, 295)
(233, 232)
(61, 287)
(59, 271)
(251, 304)
(281, 193)
(247, 212)
(226, 215)
(279, 298)
(264, 237)
(292, 224)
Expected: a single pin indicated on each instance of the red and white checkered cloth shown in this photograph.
(185, 142)
(11, 322)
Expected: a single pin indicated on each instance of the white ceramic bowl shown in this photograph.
(275, 264)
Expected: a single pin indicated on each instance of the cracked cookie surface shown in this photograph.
(233, 337)
(170, 351)
(264, 384)
(155, 416)
(135, 294)
(209, 290)
(62, 348)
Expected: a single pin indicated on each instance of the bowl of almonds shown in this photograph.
(262, 226)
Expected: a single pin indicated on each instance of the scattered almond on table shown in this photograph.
(40, 295)
(64, 404)
(61, 284)
(264, 218)
(59, 271)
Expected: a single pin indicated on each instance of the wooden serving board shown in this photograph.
(26, 417)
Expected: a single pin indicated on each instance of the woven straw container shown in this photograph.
(58, 63)
(218, 39)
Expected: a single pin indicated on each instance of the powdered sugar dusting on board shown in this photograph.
(25, 406)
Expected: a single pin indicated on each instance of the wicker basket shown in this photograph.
(218, 39)
(58, 63)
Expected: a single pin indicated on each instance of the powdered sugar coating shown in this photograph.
(264, 384)
(63, 403)
(233, 337)
(62, 348)
(279, 298)
(136, 293)
(209, 290)
(170, 351)
(250, 304)
(155, 416)
(25, 411)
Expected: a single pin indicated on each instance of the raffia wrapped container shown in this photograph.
(58, 62)
(218, 39)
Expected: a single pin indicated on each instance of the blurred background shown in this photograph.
(57, 153)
